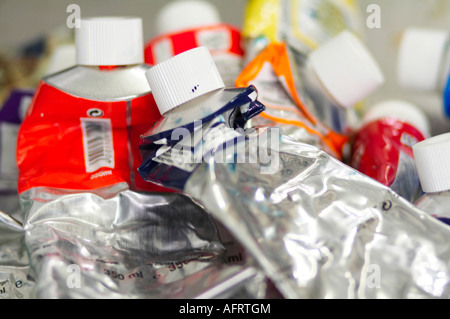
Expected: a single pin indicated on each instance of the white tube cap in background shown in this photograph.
(346, 69)
(420, 58)
(110, 41)
(432, 157)
(186, 14)
(400, 110)
(183, 77)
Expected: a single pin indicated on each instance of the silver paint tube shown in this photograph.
(315, 226)
(319, 229)
(130, 246)
(116, 241)
(17, 280)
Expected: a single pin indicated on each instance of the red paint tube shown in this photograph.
(382, 147)
(184, 25)
(83, 126)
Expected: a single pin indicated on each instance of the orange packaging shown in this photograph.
(271, 72)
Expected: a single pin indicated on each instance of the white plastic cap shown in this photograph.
(110, 41)
(63, 57)
(186, 14)
(183, 77)
(346, 69)
(420, 58)
(400, 110)
(432, 158)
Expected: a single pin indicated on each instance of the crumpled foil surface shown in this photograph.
(117, 243)
(320, 229)
(316, 228)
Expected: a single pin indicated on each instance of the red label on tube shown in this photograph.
(219, 39)
(74, 143)
(383, 149)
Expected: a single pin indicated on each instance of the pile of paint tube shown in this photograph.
(218, 162)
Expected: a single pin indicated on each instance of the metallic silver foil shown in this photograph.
(88, 82)
(122, 244)
(16, 275)
(118, 243)
(320, 229)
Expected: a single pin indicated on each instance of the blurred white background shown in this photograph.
(396, 15)
(24, 20)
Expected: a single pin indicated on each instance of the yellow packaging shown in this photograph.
(277, 34)
(309, 23)
(304, 24)
(262, 18)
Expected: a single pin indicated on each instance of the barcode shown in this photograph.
(97, 144)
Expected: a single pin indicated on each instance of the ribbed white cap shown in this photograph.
(432, 158)
(346, 69)
(183, 77)
(186, 14)
(420, 58)
(400, 110)
(110, 41)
